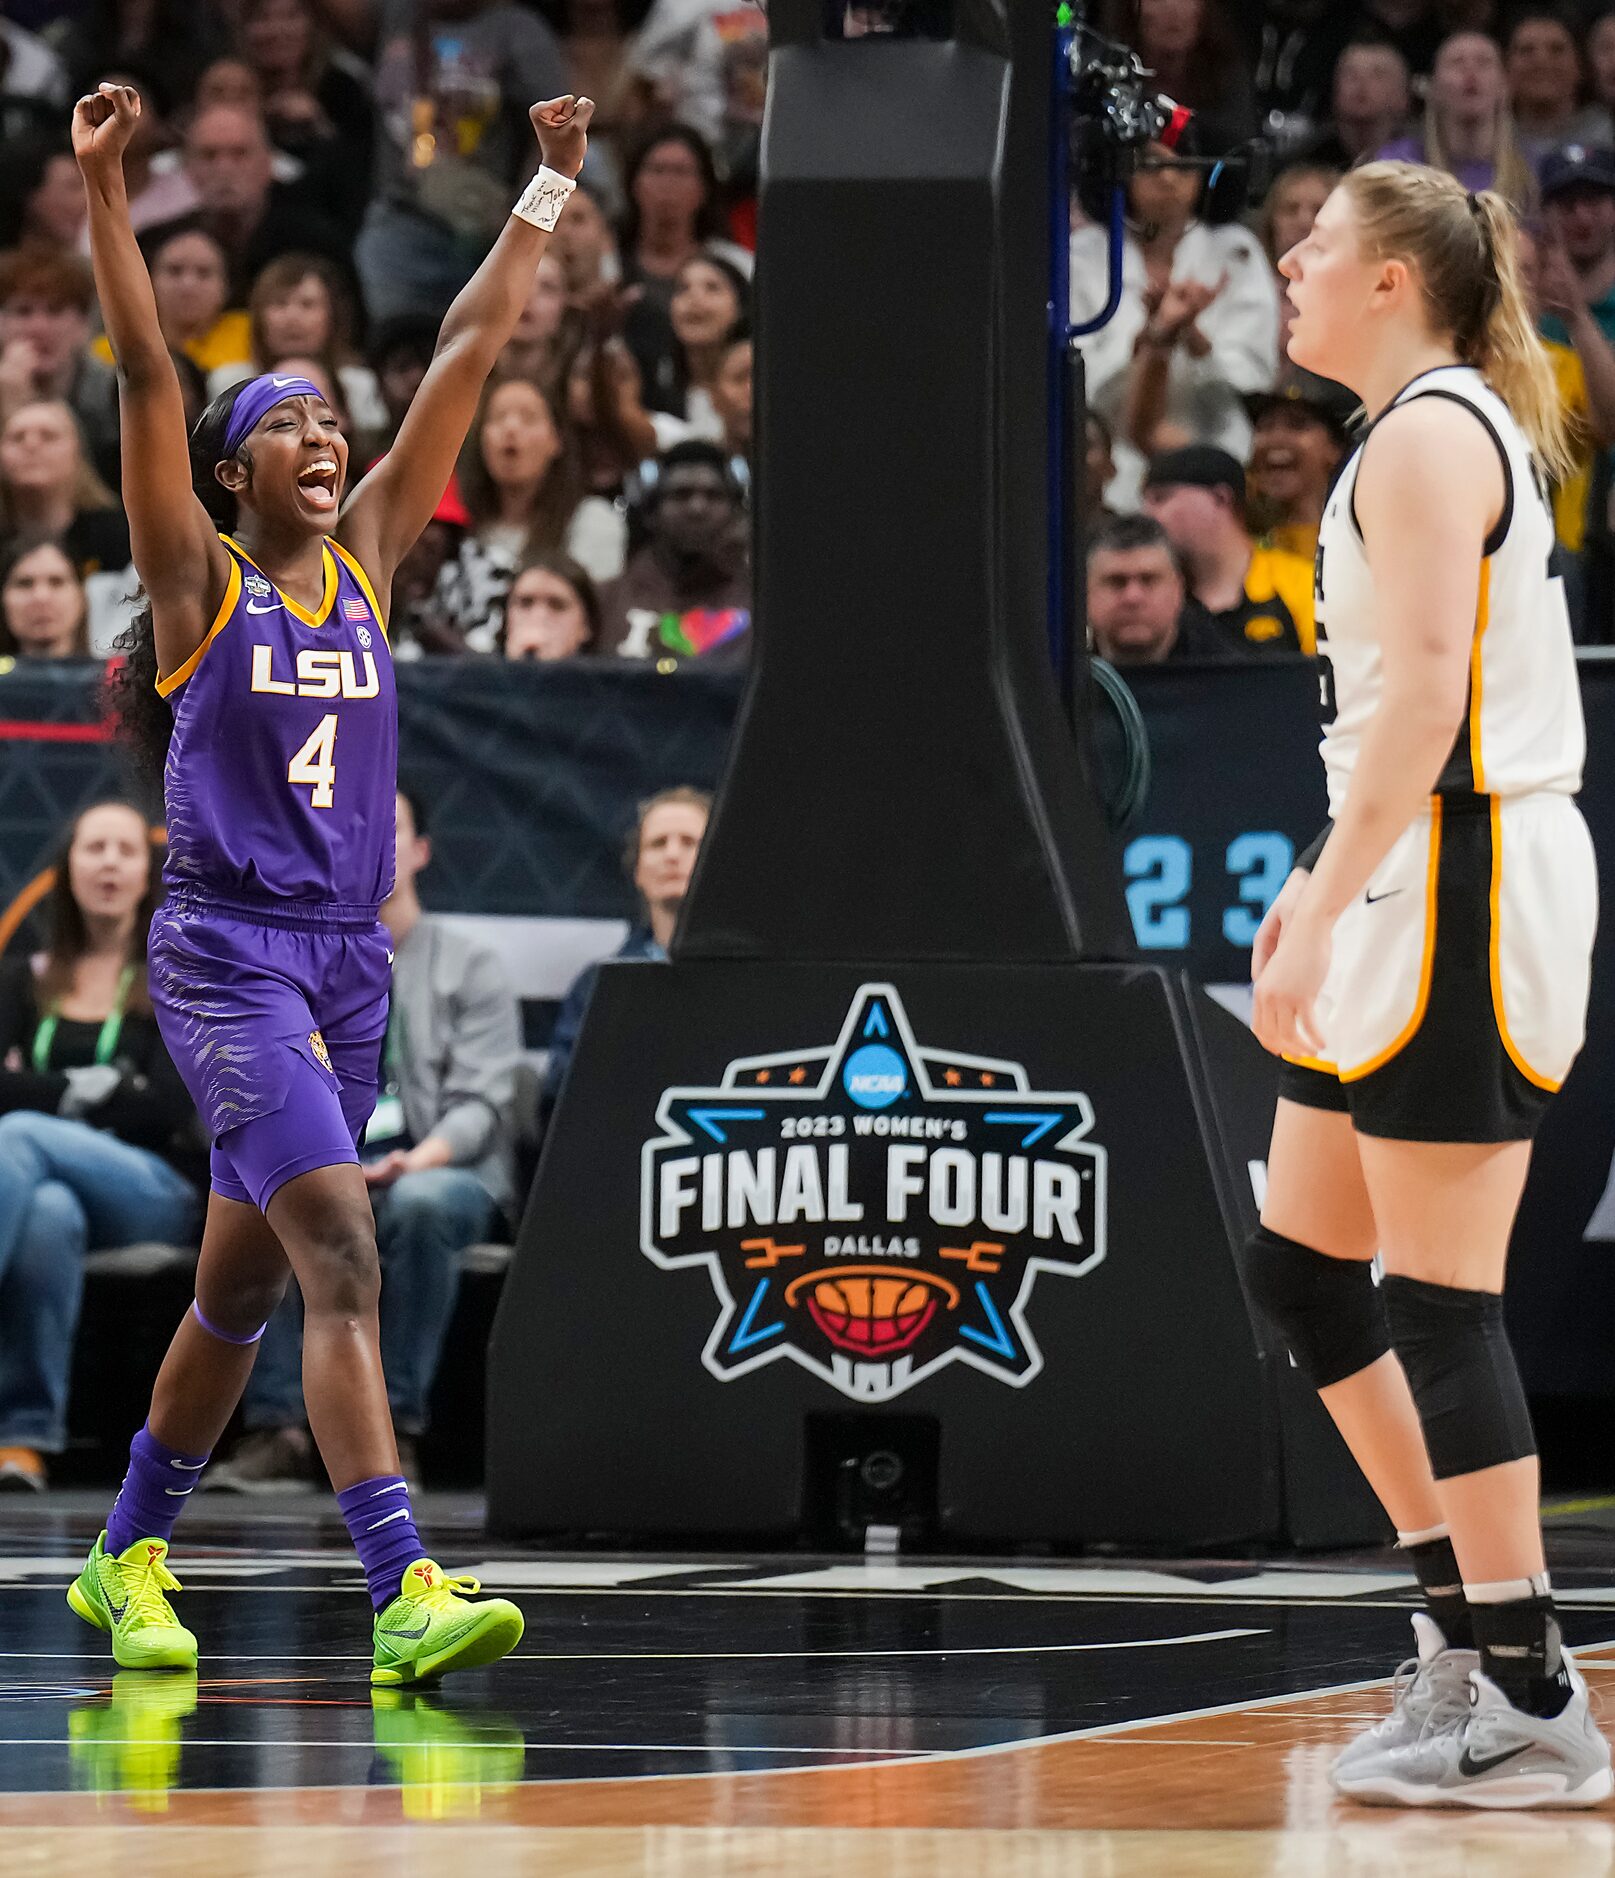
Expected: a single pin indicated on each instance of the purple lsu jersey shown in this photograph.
(283, 768)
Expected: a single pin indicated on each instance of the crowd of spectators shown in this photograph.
(312, 181)
(1192, 370)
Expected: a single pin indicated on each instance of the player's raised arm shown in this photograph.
(176, 547)
(397, 499)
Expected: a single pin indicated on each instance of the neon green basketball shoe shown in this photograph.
(431, 1627)
(124, 1596)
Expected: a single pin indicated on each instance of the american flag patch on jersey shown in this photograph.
(355, 609)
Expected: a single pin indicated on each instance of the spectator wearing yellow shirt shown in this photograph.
(1302, 433)
(190, 281)
(1583, 368)
(1259, 596)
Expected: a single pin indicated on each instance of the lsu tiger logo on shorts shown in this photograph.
(874, 1209)
(322, 1056)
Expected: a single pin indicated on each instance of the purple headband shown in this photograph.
(259, 395)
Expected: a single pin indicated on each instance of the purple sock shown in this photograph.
(381, 1524)
(154, 1491)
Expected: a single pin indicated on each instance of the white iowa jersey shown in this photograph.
(1522, 729)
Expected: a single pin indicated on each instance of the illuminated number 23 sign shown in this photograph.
(1160, 874)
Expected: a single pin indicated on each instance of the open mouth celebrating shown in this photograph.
(317, 482)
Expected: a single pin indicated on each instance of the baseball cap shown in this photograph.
(1332, 404)
(1578, 165)
(1198, 465)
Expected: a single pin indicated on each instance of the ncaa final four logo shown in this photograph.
(874, 1209)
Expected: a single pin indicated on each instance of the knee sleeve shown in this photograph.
(1328, 1311)
(1456, 1353)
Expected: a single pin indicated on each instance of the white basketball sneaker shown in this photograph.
(1497, 1756)
(1431, 1685)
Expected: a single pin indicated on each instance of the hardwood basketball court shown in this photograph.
(732, 1715)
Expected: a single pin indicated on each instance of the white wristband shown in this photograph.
(542, 201)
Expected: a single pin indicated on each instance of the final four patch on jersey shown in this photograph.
(257, 586)
(321, 1055)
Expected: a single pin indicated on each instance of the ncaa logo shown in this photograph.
(874, 1208)
(875, 1077)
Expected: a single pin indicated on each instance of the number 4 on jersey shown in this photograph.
(315, 763)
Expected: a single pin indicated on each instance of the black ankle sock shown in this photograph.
(1443, 1587)
(1519, 1651)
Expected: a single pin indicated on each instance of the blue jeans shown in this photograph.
(66, 1189)
(423, 1223)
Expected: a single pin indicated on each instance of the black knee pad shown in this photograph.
(1327, 1310)
(1455, 1350)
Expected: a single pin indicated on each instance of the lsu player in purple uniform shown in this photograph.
(264, 643)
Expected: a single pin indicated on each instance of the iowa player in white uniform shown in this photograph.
(1424, 971)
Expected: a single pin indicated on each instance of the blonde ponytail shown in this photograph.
(1510, 353)
(1466, 252)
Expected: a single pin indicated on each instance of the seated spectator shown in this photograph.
(1259, 597)
(190, 281)
(1291, 207)
(1139, 612)
(300, 308)
(99, 1145)
(667, 837)
(399, 352)
(45, 305)
(687, 593)
(585, 246)
(704, 63)
(1468, 128)
(450, 134)
(551, 612)
(39, 207)
(418, 622)
(1578, 208)
(1302, 435)
(439, 1161)
(520, 481)
(253, 217)
(1183, 361)
(1372, 99)
(549, 335)
(314, 109)
(1584, 370)
(673, 215)
(1547, 85)
(43, 610)
(50, 492)
(710, 304)
(232, 83)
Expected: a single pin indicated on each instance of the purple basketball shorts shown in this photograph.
(276, 1030)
